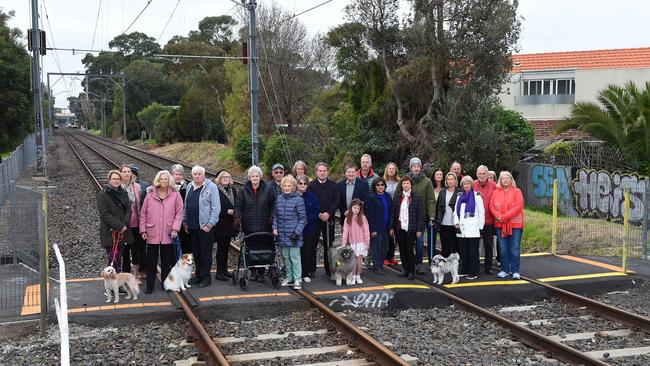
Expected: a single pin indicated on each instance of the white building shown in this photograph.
(543, 86)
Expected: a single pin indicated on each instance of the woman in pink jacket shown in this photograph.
(160, 221)
(507, 208)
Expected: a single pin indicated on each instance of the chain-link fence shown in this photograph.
(12, 166)
(22, 242)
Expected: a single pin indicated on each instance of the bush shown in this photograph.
(283, 149)
(243, 150)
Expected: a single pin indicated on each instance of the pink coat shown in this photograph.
(159, 217)
(356, 233)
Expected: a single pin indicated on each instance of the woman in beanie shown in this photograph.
(469, 218)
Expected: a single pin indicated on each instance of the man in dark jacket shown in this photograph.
(351, 187)
(328, 198)
(277, 173)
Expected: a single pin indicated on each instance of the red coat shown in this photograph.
(486, 192)
(509, 205)
(159, 217)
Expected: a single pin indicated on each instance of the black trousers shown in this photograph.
(202, 245)
(488, 238)
(406, 242)
(223, 246)
(326, 230)
(390, 254)
(469, 256)
(135, 253)
(167, 261)
(308, 254)
(185, 241)
(448, 240)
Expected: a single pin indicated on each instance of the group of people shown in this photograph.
(377, 214)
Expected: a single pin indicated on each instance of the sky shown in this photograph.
(547, 25)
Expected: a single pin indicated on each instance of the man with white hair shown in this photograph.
(200, 215)
(456, 169)
(486, 188)
(365, 172)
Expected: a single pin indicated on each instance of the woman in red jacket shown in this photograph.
(160, 221)
(507, 208)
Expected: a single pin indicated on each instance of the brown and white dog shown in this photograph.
(113, 281)
(180, 275)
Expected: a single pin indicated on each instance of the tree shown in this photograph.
(16, 101)
(149, 115)
(443, 63)
(215, 31)
(135, 45)
(622, 120)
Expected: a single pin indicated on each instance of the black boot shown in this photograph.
(227, 274)
(221, 277)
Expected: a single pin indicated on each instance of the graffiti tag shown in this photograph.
(363, 300)
(601, 192)
(542, 176)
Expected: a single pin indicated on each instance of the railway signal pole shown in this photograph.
(37, 48)
(254, 79)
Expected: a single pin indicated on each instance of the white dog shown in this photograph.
(180, 275)
(441, 265)
(113, 281)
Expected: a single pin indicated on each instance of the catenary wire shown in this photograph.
(168, 20)
(99, 9)
(138, 16)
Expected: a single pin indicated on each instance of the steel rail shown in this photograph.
(201, 337)
(610, 312)
(528, 336)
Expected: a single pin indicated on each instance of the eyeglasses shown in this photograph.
(380, 185)
(278, 172)
(302, 183)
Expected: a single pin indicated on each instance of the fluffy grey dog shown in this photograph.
(441, 265)
(342, 264)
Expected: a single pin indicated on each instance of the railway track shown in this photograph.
(555, 345)
(97, 166)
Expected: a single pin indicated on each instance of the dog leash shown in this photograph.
(117, 238)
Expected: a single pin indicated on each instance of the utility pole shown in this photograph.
(103, 116)
(254, 76)
(49, 101)
(124, 105)
(36, 81)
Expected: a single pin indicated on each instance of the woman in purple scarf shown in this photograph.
(469, 218)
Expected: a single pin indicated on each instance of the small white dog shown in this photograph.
(113, 281)
(180, 275)
(441, 265)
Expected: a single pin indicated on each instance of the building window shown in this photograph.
(549, 87)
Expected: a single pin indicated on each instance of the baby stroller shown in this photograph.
(258, 250)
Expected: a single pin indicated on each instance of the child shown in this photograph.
(357, 233)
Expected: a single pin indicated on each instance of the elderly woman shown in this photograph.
(469, 218)
(289, 220)
(507, 208)
(254, 208)
(224, 231)
(135, 249)
(115, 216)
(310, 232)
(299, 168)
(160, 222)
(200, 215)
(445, 215)
(178, 172)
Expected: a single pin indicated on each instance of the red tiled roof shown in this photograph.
(545, 130)
(624, 58)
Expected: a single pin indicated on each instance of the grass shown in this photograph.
(537, 231)
(95, 132)
(210, 155)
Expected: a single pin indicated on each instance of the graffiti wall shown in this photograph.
(585, 191)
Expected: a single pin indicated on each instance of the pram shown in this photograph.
(258, 250)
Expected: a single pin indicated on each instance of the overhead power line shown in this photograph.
(99, 9)
(301, 13)
(168, 20)
(136, 18)
(50, 35)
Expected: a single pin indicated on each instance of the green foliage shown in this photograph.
(150, 114)
(622, 120)
(237, 102)
(244, 148)
(558, 148)
(283, 149)
(165, 128)
(15, 96)
(537, 231)
(199, 117)
(135, 44)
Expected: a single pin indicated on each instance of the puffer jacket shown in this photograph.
(114, 214)
(470, 227)
(159, 217)
(289, 218)
(255, 210)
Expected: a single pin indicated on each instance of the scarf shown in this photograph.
(470, 204)
(228, 193)
(131, 192)
(117, 194)
(416, 178)
(404, 211)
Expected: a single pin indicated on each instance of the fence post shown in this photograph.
(43, 265)
(62, 310)
(555, 222)
(645, 219)
(626, 227)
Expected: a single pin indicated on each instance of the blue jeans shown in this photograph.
(432, 241)
(509, 248)
(419, 246)
(379, 248)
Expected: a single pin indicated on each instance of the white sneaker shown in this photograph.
(307, 279)
(358, 279)
(502, 274)
(354, 279)
(286, 283)
(516, 276)
(297, 285)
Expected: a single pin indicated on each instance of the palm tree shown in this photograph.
(621, 119)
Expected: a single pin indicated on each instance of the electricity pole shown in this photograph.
(35, 34)
(124, 106)
(254, 82)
